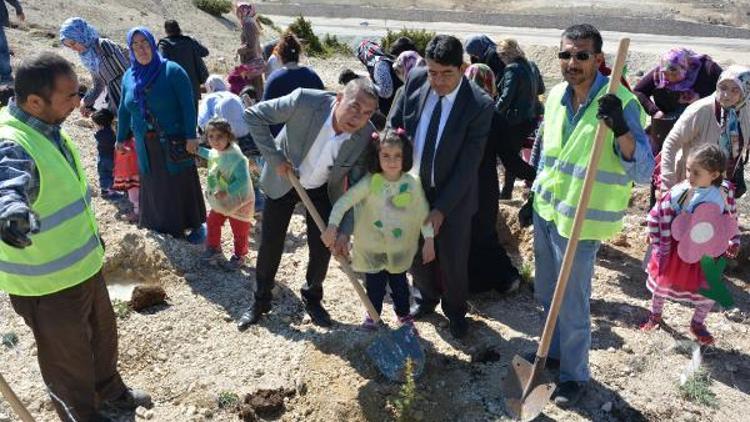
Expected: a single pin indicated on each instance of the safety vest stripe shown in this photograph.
(62, 215)
(570, 211)
(52, 266)
(579, 172)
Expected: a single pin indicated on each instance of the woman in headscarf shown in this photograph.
(157, 105)
(380, 67)
(250, 52)
(106, 61)
(489, 265)
(723, 118)
(481, 49)
(405, 62)
(681, 78)
(517, 108)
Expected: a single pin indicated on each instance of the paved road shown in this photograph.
(722, 49)
(422, 17)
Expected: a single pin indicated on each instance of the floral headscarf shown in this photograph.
(740, 75)
(78, 30)
(483, 76)
(478, 45)
(406, 61)
(144, 75)
(369, 52)
(687, 62)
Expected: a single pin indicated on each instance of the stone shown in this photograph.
(607, 407)
(300, 386)
(4, 418)
(140, 411)
(149, 414)
(627, 348)
(610, 349)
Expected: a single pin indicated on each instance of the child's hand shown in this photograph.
(329, 236)
(428, 250)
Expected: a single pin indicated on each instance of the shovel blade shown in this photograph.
(529, 407)
(390, 350)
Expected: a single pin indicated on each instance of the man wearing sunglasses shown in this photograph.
(572, 113)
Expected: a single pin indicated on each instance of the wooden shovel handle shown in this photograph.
(583, 204)
(14, 402)
(342, 261)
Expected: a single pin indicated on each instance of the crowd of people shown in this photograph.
(403, 162)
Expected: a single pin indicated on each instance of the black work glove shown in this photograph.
(15, 229)
(526, 213)
(610, 111)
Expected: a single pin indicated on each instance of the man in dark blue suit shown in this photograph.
(448, 118)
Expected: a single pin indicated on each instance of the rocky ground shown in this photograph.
(197, 366)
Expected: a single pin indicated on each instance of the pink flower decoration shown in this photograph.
(705, 231)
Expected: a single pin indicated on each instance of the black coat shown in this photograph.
(188, 53)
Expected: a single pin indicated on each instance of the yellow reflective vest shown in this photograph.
(67, 250)
(559, 184)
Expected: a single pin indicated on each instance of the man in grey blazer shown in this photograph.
(449, 120)
(324, 140)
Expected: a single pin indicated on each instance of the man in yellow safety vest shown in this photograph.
(572, 113)
(51, 254)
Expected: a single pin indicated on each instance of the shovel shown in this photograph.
(390, 349)
(14, 402)
(527, 389)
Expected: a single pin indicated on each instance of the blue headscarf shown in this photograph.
(477, 46)
(78, 30)
(144, 75)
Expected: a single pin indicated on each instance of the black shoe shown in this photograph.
(252, 315)
(551, 363)
(569, 393)
(318, 315)
(422, 311)
(526, 213)
(458, 327)
(130, 400)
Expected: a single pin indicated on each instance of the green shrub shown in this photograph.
(302, 28)
(420, 37)
(332, 45)
(267, 22)
(314, 47)
(227, 400)
(214, 7)
(697, 389)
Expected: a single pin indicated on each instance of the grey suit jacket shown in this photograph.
(461, 146)
(304, 112)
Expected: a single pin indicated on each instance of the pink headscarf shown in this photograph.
(687, 62)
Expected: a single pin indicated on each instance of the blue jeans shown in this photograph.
(105, 167)
(376, 282)
(6, 73)
(260, 197)
(572, 337)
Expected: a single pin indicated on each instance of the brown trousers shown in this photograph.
(76, 338)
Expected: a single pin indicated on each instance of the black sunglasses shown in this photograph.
(581, 56)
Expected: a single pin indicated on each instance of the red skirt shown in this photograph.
(126, 173)
(677, 280)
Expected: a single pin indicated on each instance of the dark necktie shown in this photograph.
(430, 141)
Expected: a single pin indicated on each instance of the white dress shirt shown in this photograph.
(316, 167)
(424, 124)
